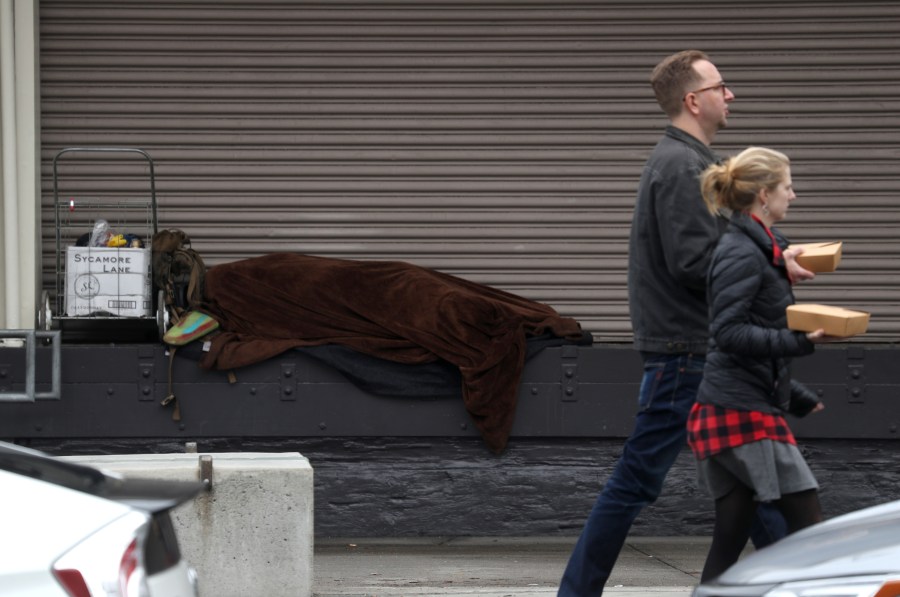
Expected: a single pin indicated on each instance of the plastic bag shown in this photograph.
(100, 235)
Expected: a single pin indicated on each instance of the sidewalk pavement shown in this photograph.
(496, 566)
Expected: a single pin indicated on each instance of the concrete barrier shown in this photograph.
(252, 534)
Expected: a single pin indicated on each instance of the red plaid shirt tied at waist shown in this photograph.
(713, 428)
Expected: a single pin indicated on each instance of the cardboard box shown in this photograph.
(836, 321)
(819, 257)
(108, 281)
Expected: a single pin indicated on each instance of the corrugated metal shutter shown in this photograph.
(499, 141)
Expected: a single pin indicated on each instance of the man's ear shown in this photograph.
(691, 104)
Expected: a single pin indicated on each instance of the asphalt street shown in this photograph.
(496, 567)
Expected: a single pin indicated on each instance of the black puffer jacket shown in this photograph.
(750, 346)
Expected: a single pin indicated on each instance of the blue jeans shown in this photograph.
(668, 389)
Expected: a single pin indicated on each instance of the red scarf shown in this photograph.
(777, 257)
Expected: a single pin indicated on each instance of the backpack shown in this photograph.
(179, 271)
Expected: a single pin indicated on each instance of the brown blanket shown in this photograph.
(388, 309)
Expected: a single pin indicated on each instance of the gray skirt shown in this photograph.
(771, 469)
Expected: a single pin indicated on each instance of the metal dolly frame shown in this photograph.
(101, 326)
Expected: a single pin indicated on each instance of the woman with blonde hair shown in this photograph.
(746, 453)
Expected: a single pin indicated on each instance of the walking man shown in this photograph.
(672, 240)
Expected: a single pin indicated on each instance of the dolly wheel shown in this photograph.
(44, 314)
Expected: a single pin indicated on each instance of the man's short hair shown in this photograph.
(673, 77)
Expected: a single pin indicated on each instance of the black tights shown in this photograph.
(734, 515)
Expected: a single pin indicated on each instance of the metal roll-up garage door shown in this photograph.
(499, 141)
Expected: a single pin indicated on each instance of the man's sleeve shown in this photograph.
(687, 230)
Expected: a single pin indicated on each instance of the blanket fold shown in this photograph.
(388, 309)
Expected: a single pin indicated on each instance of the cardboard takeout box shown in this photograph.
(819, 257)
(836, 321)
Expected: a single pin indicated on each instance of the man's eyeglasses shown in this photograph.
(720, 86)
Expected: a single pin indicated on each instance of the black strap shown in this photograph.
(176, 414)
